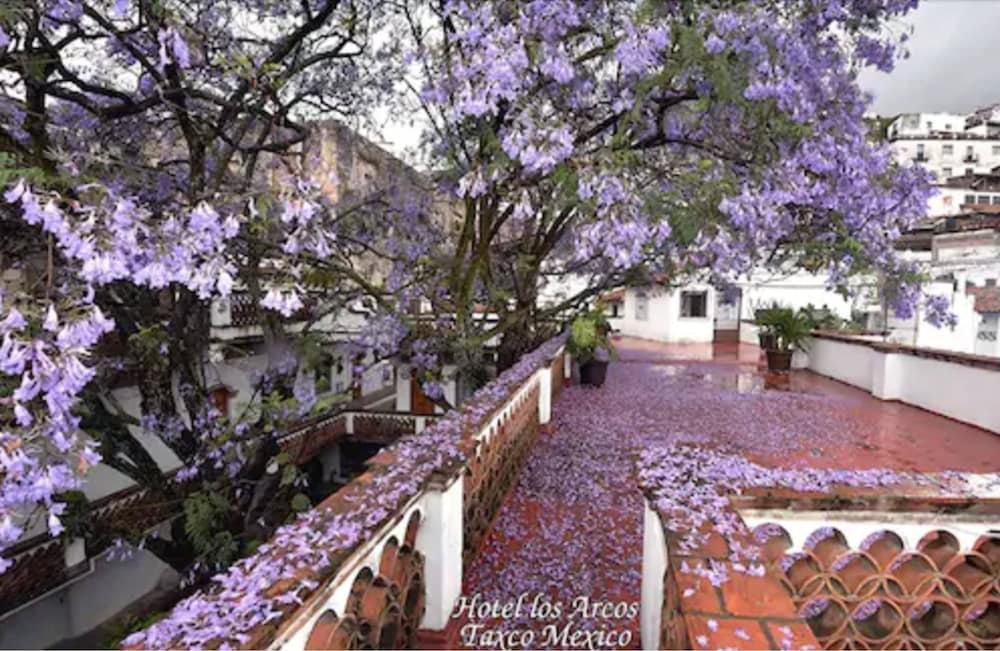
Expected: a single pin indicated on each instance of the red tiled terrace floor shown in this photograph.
(572, 526)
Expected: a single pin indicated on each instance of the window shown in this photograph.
(323, 372)
(694, 305)
(641, 306)
(996, 199)
(947, 127)
(968, 171)
(930, 125)
(996, 150)
(969, 198)
(920, 149)
(614, 310)
(946, 172)
(948, 150)
(983, 199)
(991, 282)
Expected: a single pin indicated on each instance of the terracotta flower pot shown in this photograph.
(779, 361)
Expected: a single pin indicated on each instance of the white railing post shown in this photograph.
(222, 313)
(440, 540)
(567, 367)
(654, 566)
(886, 375)
(419, 423)
(74, 552)
(545, 397)
(349, 423)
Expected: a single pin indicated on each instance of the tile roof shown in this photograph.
(987, 298)
(614, 296)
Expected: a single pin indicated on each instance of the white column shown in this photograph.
(403, 379)
(567, 365)
(74, 552)
(887, 376)
(349, 423)
(440, 541)
(654, 564)
(545, 395)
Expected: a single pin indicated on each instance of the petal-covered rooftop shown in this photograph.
(573, 525)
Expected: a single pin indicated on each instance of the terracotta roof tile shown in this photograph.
(987, 298)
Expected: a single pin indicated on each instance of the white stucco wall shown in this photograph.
(664, 321)
(795, 290)
(842, 361)
(961, 391)
(80, 606)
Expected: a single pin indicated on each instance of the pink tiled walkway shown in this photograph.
(572, 526)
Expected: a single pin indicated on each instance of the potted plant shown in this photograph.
(764, 317)
(589, 345)
(791, 329)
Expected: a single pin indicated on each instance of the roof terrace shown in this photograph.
(693, 501)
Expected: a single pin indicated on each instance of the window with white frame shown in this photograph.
(996, 150)
(694, 305)
(946, 172)
(947, 150)
(641, 306)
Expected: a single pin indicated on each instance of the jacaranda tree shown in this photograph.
(600, 139)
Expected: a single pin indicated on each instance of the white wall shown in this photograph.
(950, 388)
(848, 363)
(960, 338)
(795, 290)
(664, 321)
(78, 607)
(990, 325)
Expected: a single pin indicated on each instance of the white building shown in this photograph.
(685, 315)
(946, 144)
(698, 312)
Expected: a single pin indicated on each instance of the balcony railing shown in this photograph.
(383, 557)
(39, 566)
(970, 158)
(240, 310)
(920, 158)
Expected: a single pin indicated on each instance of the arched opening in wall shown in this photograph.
(402, 567)
(412, 528)
(331, 632)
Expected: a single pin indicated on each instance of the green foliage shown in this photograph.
(76, 518)
(589, 334)
(205, 518)
(790, 328)
(122, 627)
(822, 318)
(301, 503)
(11, 171)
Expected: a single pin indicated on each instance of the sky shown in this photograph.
(954, 63)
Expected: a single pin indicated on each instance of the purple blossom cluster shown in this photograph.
(556, 88)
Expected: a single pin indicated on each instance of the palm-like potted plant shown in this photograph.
(791, 330)
(764, 318)
(589, 345)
